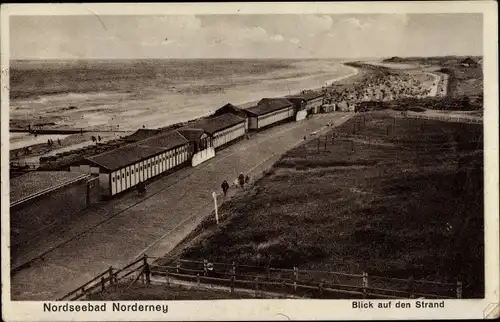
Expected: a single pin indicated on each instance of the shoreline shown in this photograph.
(72, 139)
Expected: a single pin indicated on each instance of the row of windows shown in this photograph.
(273, 114)
(226, 132)
(169, 154)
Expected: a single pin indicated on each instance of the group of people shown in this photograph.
(50, 142)
(242, 180)
(380, 87)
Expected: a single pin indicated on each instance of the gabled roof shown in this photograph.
(192, 135)
(269, 105)
(212, 125)
(230, 108)
(124, 156)
(135, 152)
(142, 134)
(167, 140)
(247, 105)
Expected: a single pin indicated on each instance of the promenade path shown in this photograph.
(116, 232)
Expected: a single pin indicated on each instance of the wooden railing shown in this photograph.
(109, 278)
(296, 282)
(323, 284)
(447, 118)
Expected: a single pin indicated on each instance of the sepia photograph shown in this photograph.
(165, 156)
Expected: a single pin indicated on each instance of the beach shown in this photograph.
(155, 102)
(162, 95)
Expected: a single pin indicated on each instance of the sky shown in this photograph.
(245, 36)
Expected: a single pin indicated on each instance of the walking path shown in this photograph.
(115, 233)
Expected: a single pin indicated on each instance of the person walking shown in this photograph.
(225, 187)
(241, 180)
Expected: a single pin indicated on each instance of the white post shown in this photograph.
(214, 195)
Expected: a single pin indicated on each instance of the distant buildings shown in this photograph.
(469, 62)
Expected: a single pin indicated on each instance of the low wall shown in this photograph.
(35, 216)
(202, 156)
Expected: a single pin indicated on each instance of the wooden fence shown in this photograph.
(297, 282)
(446, 118)
(109, 279)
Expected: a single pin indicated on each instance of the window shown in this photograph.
(113, 178)
(127, 174)
(132, 171)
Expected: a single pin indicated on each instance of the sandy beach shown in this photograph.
(119, 114)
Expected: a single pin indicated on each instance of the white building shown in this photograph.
(223, 129)
(268, 112)
(123, 168)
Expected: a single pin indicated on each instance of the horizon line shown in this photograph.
(245, 58)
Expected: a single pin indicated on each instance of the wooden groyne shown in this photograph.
(49, 131)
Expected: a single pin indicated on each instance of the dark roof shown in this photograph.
(142, 134)
(135, 152)
(167, 140)
(230, 108)
(35, 182)
(192, 135)
(307, 95)
(247, 105)
(218, 123)
(268, 105)
(126, 155)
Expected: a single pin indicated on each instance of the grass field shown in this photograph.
(389, 196)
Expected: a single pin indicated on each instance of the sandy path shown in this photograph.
(174, 206)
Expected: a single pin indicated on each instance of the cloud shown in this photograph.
(357, 23)
(255, 36)
(277, 38)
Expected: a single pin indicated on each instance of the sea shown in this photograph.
(125, 95)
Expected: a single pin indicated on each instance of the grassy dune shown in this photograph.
(391, 197)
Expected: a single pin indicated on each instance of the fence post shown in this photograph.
(411, 284)
(296, 278)
(167, 277)
(459, 290)
(198, 279)
(146, 270)
(256, 286)
(103, 286)
(178, 266)
(365, 285)
(205, 267)
(232, 284)
(233, 270)
(320, 288)
(111, 277)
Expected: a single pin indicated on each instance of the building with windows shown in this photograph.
(123, 168)
(202, 145)
(269, 112)
(312, 100)
(223, 129)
